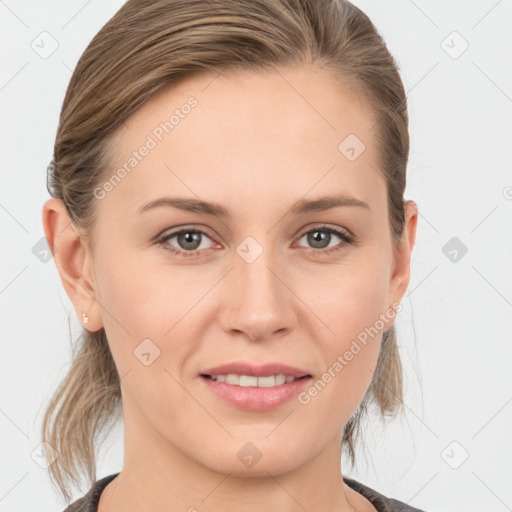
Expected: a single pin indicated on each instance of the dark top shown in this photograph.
(89, 502)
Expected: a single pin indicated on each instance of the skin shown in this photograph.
(255, 143)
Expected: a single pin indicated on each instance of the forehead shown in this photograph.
(281, 132)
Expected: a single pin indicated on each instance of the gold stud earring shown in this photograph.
(85, 318)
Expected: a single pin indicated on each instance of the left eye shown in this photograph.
(316, 237)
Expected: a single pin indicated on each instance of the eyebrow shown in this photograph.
(301, 207)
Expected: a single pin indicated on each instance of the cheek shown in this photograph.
(128, 312)
(143, 329)
(351, 312)
(350, 297)
(147, 313)
(145, 298)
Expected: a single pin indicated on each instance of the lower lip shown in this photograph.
(254, 398)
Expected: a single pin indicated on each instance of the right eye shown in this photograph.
(189, 241)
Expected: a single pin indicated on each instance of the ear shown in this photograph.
(74, 262)
(400, 274)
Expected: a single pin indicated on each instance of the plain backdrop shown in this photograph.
(453, 451)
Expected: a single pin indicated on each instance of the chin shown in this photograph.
(245, 459)
(262, 468)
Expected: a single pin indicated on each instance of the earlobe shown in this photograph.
(71, 256)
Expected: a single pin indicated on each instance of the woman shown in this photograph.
(228, 220)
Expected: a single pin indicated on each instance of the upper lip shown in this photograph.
(265, 370)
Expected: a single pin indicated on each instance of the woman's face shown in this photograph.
(264, 282)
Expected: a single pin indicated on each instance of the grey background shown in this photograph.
(452, 452)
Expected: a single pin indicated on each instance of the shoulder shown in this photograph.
(89, 502)
(379, 501)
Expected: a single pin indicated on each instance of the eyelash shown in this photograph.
(347, 240)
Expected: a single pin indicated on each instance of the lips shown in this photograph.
(234, 384)
(265, 370)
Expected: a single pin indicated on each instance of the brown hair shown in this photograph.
(149, 44)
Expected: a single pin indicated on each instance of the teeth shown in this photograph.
(253, 381)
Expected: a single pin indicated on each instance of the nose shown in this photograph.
(259, 302)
